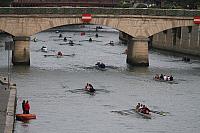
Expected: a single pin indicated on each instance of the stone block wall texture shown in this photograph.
(181, 39)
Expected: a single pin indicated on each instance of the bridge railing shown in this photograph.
(99, 11)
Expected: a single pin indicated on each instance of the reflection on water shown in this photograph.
(54, 88)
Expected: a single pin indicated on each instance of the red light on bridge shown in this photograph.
(197, 19)
(86, 18)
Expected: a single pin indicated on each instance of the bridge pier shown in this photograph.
(21, 52)
(138, 52)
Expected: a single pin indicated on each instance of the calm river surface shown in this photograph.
(52, 86)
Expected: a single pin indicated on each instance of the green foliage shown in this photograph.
(181, 4)
(5, 2)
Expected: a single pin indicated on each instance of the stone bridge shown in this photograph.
(137, 23)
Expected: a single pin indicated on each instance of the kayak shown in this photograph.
(147, 116)
(25, 117)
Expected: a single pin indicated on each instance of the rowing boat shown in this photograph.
(147, 116)
(25, 117)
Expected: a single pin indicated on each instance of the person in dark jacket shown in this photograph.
(89, 88)
(23, 103)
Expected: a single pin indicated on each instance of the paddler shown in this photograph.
(26, 107)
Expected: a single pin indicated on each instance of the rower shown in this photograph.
(165, 77)
(171, 78)
(90, 40)
(71, 42)
(102, 65)
(138, 106)
(111, 43)
(44, 49)
(65, 39)
(145, 110)
(35, 39)
(60, 35)
(89, 88)
(82, 33)
(125, 51)
(60, 53)
(157, 76)
(186, 59)
(98, 63)
(162, 77)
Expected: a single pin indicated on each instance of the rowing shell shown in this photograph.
(147, 116)
(167, 81)
(58, 56)
(99, 68)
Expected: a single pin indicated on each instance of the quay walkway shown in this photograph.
(7, 106)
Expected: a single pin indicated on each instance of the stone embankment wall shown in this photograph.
(182, 39)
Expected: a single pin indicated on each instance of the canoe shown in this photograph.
(147, 116)
(25, 117)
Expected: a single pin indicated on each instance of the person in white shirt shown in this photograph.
(165, 77)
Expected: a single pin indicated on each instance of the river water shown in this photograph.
(53, 87)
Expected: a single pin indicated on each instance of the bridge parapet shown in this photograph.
(99, 11)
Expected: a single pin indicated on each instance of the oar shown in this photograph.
(69, 55)
(48, 55)
(96, 41)
(121, 112)
(63, 43)
(158, 112)
(128, 110)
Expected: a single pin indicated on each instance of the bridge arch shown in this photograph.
(140, 27)
(3, 31)
(135, 26)
(169, 25)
